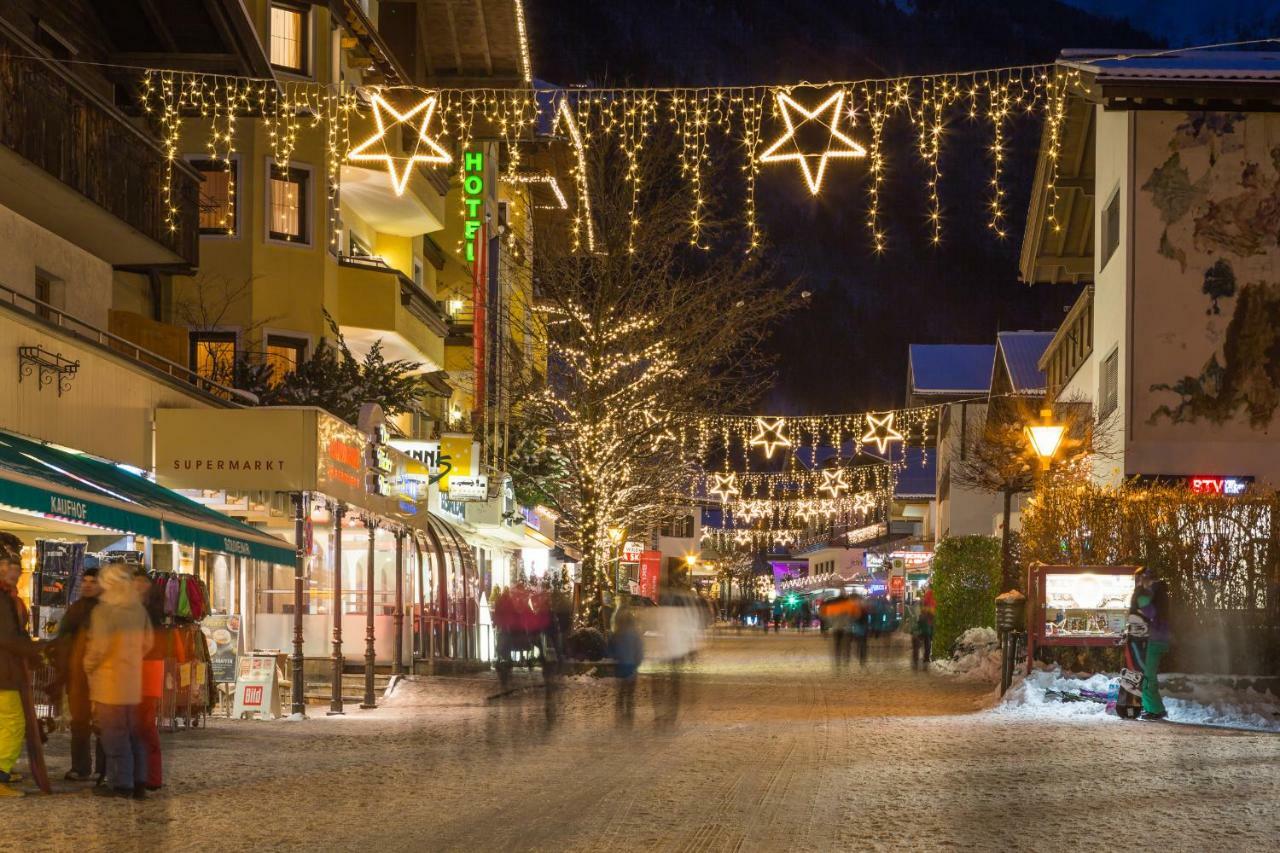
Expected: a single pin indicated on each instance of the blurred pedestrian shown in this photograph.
(836, 614)
(806, 615)
(16, 647)
(119, 637)
(627, 650)
(922, 630)
(1151, 602)
(152, 597)
(69, 649)
(859, 625)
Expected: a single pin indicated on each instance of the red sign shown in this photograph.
(253, 694)
(897, 585)
(1218, 485)
(650, 570)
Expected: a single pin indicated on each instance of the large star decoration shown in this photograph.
(725, 485)
(770, 435)
(838, 145)
(381, 112)
(880, 430)
(834, 482)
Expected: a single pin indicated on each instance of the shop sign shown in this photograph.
(222, 633)
(239, 450)
(257, 688)
(473, 200)
(468, 489)
(631, 552)
(1219, 485)
(650, 573)
(897, 585)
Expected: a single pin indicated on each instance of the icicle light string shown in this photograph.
(743, 128)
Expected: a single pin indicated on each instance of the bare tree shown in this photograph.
(998, 457)
(644, 329)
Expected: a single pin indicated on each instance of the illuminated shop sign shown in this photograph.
(1219, 485)
(473, 199)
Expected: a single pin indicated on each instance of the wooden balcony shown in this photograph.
(86, 150)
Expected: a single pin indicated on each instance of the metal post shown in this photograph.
(369, 701)
(422, 600)
(397, 621)
(335, 701)
(299, 568)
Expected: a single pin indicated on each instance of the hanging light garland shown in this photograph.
(752, 126)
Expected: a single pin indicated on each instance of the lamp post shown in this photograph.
(1045, 437)
(301, 510)
(335, 701)
(369, 700)
(615, 536)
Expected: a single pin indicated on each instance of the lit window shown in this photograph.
(289, 37)
(217, 197)
(288, 190)
(284, 354)
(213, 355)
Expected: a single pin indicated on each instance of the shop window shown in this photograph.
(288, 204)
(217, 196)
(1109, 384)
(284, 354)
(213, 355)
(289, 37)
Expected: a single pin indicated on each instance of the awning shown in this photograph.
(60, 484)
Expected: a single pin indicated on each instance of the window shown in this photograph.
(1110, 227)
(288, 204)
(217, 196)
(680, 527)
(289, 37)
(213, 355)
(1109, 384)
(284, 353)
(417, 273)
(46, 294)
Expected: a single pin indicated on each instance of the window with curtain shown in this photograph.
(217, 202)
(289, 37)
(213, 355)
(288, 214)
(283, 354)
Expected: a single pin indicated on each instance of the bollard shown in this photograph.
(1011, 617)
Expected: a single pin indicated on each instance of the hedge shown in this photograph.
(966, 581)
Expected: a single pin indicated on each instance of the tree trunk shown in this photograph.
(1008, 572)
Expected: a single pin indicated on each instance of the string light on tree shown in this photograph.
(381, 112)
(880, 431)
(770, 434)
(827, 114)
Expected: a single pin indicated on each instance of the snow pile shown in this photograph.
(976, 657)
(1197, 700)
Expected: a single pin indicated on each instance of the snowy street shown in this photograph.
(770, 751)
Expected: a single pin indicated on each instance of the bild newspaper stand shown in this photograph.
(1077, 605)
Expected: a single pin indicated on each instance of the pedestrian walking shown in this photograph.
(835, 613)
(806, 616)
(16, 647)
(69, 648)
(922, 630)
(1151, 602)
(859, 625)
(152, 598)
(119, 637)
(627, 648)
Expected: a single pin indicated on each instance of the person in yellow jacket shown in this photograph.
(15, 646)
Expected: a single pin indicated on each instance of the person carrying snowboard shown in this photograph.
(1151, 602)
(16, 647)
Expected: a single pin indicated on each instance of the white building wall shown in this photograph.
(81, 282)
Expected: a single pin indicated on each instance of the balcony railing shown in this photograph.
(412, 297)
(145, 358)
(54, 121)
(1071, 346)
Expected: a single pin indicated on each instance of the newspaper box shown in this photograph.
(257, 688)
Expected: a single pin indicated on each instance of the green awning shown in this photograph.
(73, 487)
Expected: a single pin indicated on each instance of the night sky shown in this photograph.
(845, 349)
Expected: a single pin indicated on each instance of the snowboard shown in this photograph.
(34, 734)
(1129, 696)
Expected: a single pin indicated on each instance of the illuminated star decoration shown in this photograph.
(769, 435)
(726, 485)
(834, 482)
(881, 431)
(863, 502)
(661, 431)
(838, 145)
(381, 111)
(742, 537)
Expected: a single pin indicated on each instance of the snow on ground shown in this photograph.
(1199, 700)
(976, 658)
(772, 749)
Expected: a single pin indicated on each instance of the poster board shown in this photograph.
(222, 634)
(257, 688)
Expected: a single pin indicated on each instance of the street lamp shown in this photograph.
(1045, 437)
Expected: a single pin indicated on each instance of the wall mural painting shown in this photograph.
(1221, 223)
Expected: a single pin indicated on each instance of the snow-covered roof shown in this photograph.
(1022, 351)
(950, 368)
(1176, 65)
